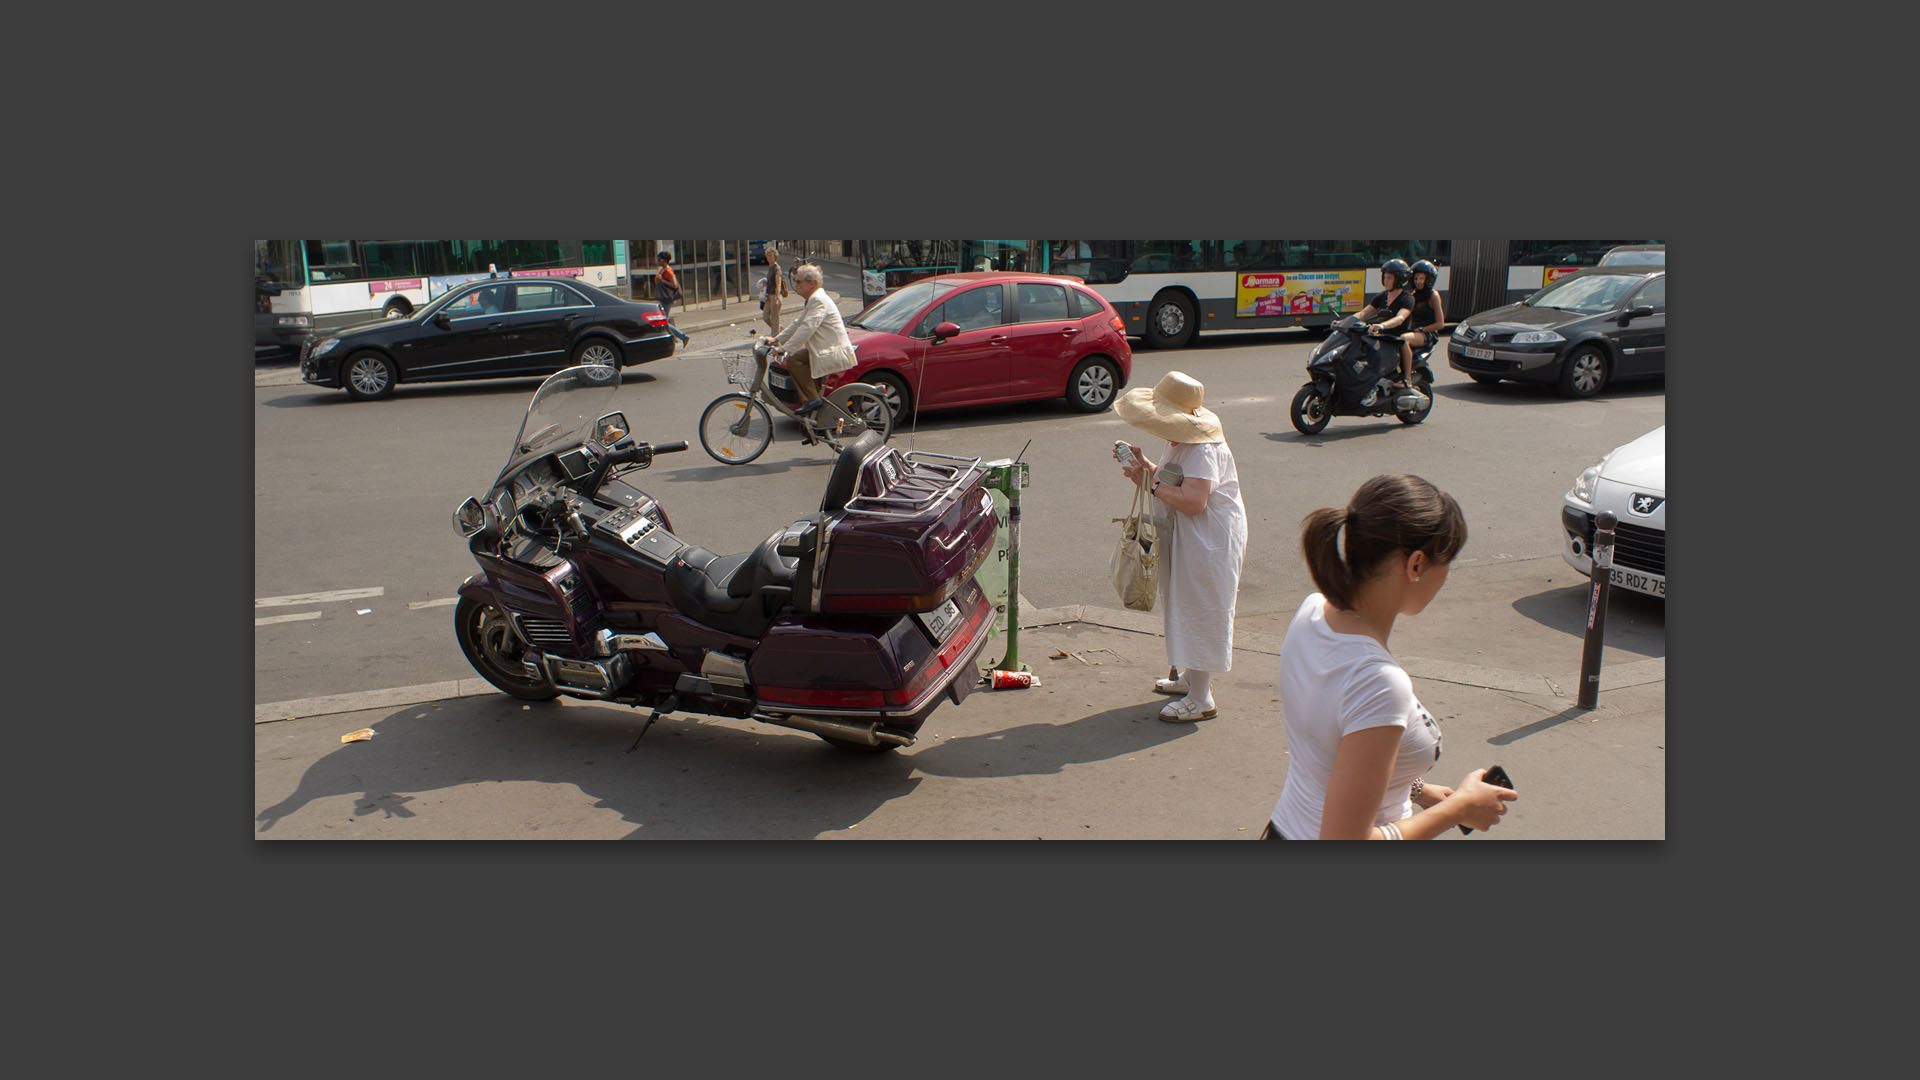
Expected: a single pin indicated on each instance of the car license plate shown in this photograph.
(1478, 354)
(940, 621)
(1639, 583)
(779, 380)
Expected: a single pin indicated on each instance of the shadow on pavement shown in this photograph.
(1508, 738)
(1043, 749)
(1357, 427)
(1635, 623)
(1510, 393)
(684, 781)
(307, 395)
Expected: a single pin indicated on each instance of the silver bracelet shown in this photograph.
(1419, 786)
(1391, 830)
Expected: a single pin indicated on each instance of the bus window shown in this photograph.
(332, 260)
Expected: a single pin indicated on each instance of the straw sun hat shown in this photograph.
(1171, 410)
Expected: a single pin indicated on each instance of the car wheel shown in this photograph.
(1485, 380)
(368, 376)
(894, 391)
(1584, 371)
(1170, 323)
(1093, 384)
(598, 352)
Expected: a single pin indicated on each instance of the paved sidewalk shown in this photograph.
(1079, 756)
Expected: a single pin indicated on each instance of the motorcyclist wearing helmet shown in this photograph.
(1423, 312)
(1392, 301)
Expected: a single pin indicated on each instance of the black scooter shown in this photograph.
(1351, 375)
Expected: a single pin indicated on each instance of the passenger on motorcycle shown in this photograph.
(1393, 301)
(1424, 312)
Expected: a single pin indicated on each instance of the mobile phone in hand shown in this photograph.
(1125, 455)
(1496, 776)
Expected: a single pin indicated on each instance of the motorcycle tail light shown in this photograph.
(941, 662)
(774, 696)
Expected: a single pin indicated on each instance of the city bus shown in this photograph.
(1168, 291)
(304, 288)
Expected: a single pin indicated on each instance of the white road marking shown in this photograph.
(416, 605)
(319, 597)
(300, 617)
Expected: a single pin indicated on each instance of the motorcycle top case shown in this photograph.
(915, 532)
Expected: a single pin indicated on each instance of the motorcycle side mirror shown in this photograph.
(945, 330)
(470, 518)
(443, 321)
(611, 428)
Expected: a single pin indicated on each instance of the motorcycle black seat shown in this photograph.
(730, 592)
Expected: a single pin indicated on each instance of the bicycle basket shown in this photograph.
(739, 367)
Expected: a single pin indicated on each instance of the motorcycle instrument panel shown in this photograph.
(638, 532)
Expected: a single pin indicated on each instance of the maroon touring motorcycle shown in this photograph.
(852, 623)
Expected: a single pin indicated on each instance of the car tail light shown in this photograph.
(1117, 324)
(654, 318)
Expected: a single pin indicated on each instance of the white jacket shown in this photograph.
(820, 331)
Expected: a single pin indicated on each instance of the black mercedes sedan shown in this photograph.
(1581, 333)
(488, 329)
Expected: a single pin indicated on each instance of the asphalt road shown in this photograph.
(356, 562)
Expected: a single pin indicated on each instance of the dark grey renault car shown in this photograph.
(488, 329)
(1580, 333)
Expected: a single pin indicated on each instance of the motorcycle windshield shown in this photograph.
(562, 412)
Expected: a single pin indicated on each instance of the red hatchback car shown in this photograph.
(1013, 337)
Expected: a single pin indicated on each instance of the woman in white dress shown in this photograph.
(1205, 543)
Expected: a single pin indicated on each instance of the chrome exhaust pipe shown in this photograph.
(865, 734)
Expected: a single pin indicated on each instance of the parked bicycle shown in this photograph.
(737, 427)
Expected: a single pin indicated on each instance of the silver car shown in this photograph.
(1632, 482)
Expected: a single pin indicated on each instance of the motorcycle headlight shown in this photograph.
(1536, 337)
(1588, 479)
(325, 347)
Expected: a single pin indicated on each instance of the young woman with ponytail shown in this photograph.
(1358, 741)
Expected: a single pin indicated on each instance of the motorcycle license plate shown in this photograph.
(940, 621)
(1640, 583)
(779, 380)
(1478, 354)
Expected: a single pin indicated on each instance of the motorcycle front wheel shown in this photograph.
(495, 650)
(735, 429)
(1310, 411)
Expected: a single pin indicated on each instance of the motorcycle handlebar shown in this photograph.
(669, 447)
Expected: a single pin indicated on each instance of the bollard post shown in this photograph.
(1010, 477)
(1602, 587)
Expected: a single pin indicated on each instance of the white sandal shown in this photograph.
(1186, 711)
(1175, 685)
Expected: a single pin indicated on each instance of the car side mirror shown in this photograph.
(1634, 313)
(443, 321)
(945, 330)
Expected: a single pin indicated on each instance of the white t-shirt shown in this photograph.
(1332, 684)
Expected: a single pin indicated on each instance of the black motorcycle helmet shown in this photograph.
(1427, 268)
(1398, 268)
